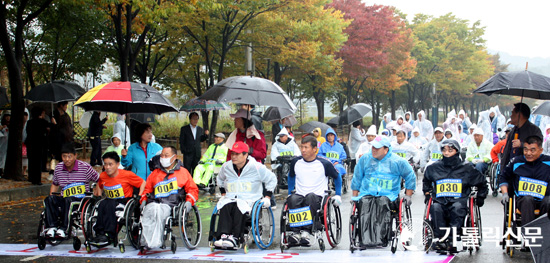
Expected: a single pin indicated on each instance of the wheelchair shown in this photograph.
(211, 187)
(127, 225)
(282, 171)
(471, 221)
(259, 224)
(76, 212)
(492, 173)
(188, 223)
(512, 221)
(400, 217)
(327, 219)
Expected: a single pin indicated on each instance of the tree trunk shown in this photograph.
(392, 104)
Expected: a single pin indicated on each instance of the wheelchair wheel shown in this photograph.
(213, 229)
(353, 228)
(131, 222)
(40, 234)
(263, 225)
(76, 243)
(332, 218)
(427, 231)
(509, 222)
(173, 245)
(283, 225)
(122, 248)
(190, 226)
(85, 215)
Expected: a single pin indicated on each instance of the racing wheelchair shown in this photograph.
(188, 222)
(75, 213)
(327, 219)
(282, 171)
(127, 225)
(259, 224)
(472, 226)
(400, 217)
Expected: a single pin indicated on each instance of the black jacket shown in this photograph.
(525, 131)
(519, 167)
(188, 144)
(96, 125)
(454, 168)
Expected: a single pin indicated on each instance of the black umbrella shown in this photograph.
(353, 113)
(540, 248)
(309, 126)
(3, 97)
(249, 90)
(276, 113)
(517, 83)
(543, 109)
(55, 91)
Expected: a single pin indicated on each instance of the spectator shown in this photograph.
(36, 141)
(191, 136)
(4, 133)
(95, 130)
(141, 152)
(122, 129)
(246, 132)
(62, 130)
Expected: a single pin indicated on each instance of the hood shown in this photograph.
(318, 130)
(400, 117)
(451, 114)
(415, 130)
(120, 117)
(283, 132)
(388, 117)
(492, 109)
(497, 111)
(421, 113)
(372, 130)
(449, 130)
(462, 112)
(410, 115)
(329, 131)
(117, 135)
(388, 131)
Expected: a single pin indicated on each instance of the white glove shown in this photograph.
(267, 202)
(337, 200)
(188, 206)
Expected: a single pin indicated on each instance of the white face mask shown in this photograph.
(165, 162)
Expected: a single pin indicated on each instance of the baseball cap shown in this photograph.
(380, 141)
(438, 129)
(239, 147)
(241, 113)
(219, 134)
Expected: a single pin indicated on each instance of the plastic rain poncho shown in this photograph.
(424, 126)
(289, 148)
(417, 141)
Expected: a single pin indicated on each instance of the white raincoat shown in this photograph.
(406, 150)
(405, 126)
(365, 147)
(432, 153)
(485, 125)
(290, 148)
(246, 188)
(464, 121)
(424, 125)
(356, 138)
(123, 130)
(417, 141)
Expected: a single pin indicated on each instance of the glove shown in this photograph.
(142, 205)
(267, 202)
(218, 162)
(407, 200)
(337, 200)
(188, 207)
(480, 202)
(505, 198)
(427, 198)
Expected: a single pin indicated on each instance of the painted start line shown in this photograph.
(254, 255)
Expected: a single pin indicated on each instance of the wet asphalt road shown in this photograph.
(19, 224)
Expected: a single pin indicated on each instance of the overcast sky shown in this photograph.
(520, 28)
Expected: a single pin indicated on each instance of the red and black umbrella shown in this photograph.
(124, 97)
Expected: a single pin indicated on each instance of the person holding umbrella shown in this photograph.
(95, 130)
(62, 130)
(191, 136)
(36, 141)
(141, 152)
(247, 133)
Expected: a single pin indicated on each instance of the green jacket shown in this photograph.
(482, 152)
(221, 153)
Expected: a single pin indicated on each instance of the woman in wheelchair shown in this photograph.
(448, 184)
(240, 182)
(309, 176)
(118, 186)
(164, 189)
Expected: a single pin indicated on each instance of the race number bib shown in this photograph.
(114, 192)
(333, 155)
(449, 188)
(286, 153)
(436, 156)
(75, 190)
(401, 154)
(384, 184)
(239, 187)
(166, 188)
(300, 217)
(532, 187)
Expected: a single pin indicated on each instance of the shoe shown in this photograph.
(525, 249)
(201, 186)
(60, 233)
(50, 232)
(229, 242)
(218, 243)
(440, 246)
(274, 207)
(305, 238)
(293, 239)
(101, 239)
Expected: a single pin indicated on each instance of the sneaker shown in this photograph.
(293, 239)
(218, 243)
(101, 239)
(305, 238)
(229, 242)
(60, 233)
(50, 232)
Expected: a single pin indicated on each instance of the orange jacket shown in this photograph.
(498, 148)
(184, 181)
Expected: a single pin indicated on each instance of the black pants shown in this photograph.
(231, 221)
(190, 161)
(106, 215)
(527, 205)
(58, 211)
(95, 157)
(449, 215)
(312, 200)
(35, 156)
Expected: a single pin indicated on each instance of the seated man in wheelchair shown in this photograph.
(240, 182)
(479, 152)
(284, 147)
(72, 177)
(448, 182)
(309, 176)
(118, 186)
(334, 151)
(527, 177)
(376, 184)
(215, 155)
(165, 188)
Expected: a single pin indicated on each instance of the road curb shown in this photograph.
(25, 192)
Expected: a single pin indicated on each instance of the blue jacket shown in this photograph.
(527, 178)
(136, 158)
(336, 152)
(382, 177)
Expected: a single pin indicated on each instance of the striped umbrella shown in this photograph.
(124, 97)
(197, 104)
